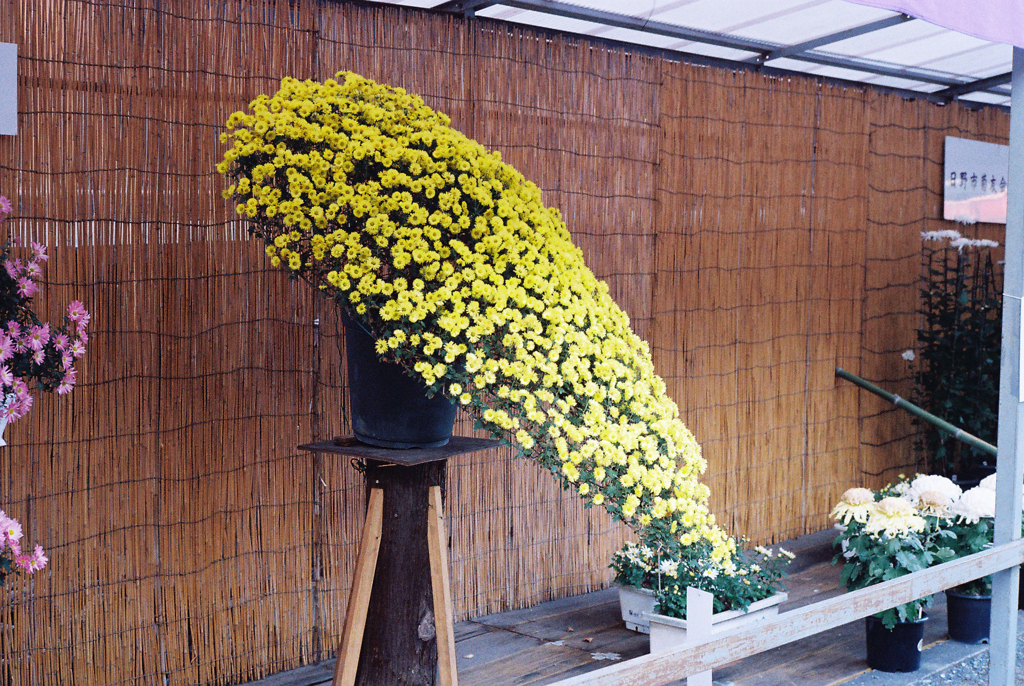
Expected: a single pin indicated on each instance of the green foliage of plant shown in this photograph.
(958, 352)
(758, 575)
(973, 538)
(873, 558)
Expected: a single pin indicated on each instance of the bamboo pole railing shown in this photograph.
(957, 433)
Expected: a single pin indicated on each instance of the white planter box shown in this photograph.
(636, 604)
(669, 632)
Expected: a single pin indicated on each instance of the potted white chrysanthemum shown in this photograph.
(886, 536)
(748, 591)
(637, 569)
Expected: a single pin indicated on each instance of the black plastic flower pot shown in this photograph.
(968, 617)
(897, 649)
(390, 408)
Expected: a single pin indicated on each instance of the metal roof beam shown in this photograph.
(622, 21)
(975, 86)
(466, 7)
(871, 27)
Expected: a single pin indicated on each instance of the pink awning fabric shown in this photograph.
(1001, 21)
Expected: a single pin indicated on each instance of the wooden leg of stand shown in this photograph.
(359, 597)
(437, 541)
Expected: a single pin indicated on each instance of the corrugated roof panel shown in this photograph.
(532, 18)
(715, 51)
(988, 60)
(667, 42)
(937, 54)
(988, 99)
(926, 48)
(807, 23)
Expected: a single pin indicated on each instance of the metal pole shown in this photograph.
(957, 432)
(1010, 463)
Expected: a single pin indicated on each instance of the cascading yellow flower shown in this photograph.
(450, 259)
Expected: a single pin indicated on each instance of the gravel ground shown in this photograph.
(971, 672)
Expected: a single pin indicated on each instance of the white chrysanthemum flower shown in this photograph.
(933, 503)
(940, 235)
(669, 567)
(931, 482)
(961, 243)
(901, 488)
(894, 517)
(908, 355)
(856, 504)
(975, 504)
(989, 484)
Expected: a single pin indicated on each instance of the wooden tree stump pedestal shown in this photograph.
(398, 626)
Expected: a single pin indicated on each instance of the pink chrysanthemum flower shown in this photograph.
(5, 205)
(12, 271)
(11, 530)
(33, 270)
(66, 360)
(24, 405)
(39, 252)
(6, 347)
(20, 388)
(6, 377)
(38, 337)
(26, 287)
(77, 311)
(77, 349)
(61, 342)
(39, 559)
(38, 356)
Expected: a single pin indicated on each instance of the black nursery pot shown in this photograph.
(968, 617)
(390, 408)
(897, 649)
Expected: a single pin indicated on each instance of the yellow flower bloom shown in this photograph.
(444, 251)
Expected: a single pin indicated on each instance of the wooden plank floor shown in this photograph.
(570, 636)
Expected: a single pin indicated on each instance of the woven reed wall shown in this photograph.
(757, 230)
(905, 198)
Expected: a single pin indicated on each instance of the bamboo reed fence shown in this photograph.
(758, 230)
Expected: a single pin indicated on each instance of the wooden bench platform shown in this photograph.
(570, 636)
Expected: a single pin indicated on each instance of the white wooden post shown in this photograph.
(700, 605)
(8, 89)
(1010, 459)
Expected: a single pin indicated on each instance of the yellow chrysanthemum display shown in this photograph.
(450, 259)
